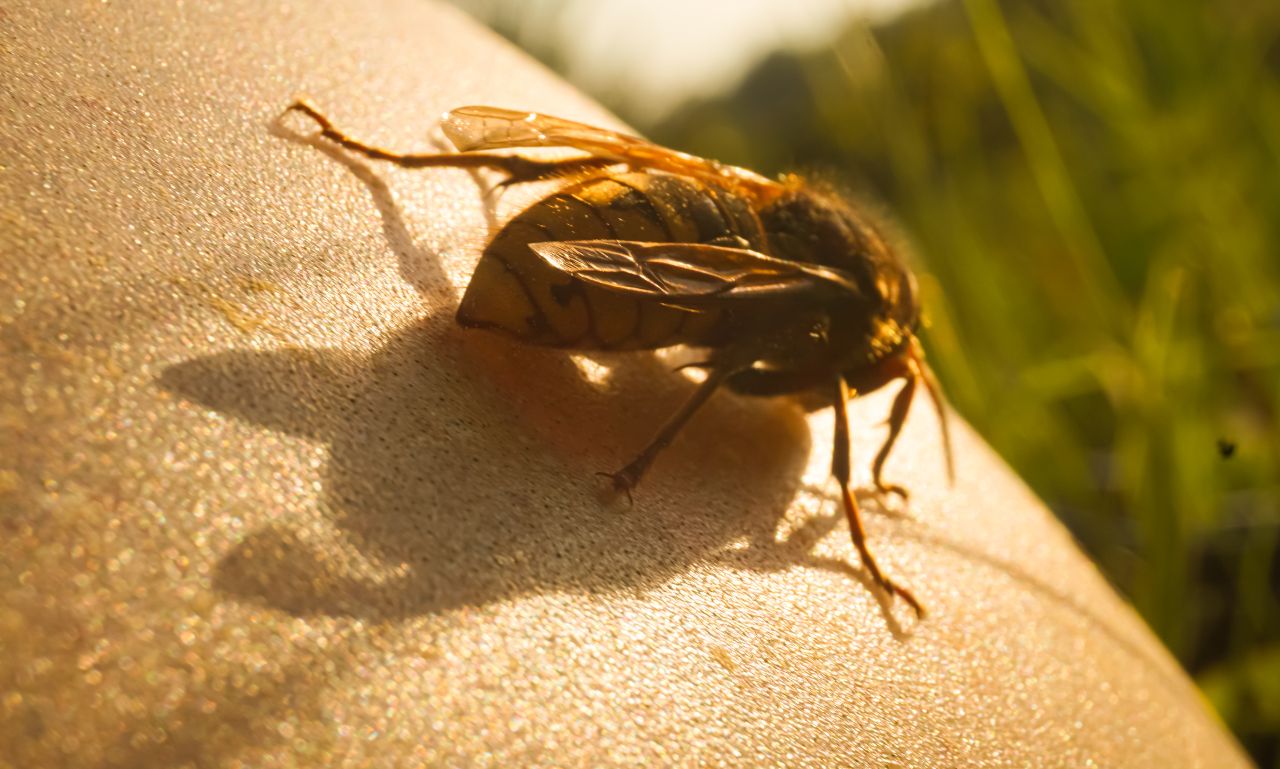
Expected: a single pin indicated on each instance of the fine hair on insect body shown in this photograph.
(786, 287)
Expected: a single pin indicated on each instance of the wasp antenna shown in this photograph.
(939, 405)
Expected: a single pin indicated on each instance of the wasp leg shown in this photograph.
(840, 469)
(897, 417)
(518, 169)
(627, 478)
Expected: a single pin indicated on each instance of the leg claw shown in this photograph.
(885, 490)
(904, 594)
(621, 481)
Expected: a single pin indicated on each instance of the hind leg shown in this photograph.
(518, 169)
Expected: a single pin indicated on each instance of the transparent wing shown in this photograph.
(691, 274)
(486, 128)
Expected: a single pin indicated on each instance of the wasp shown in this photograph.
(788, 288)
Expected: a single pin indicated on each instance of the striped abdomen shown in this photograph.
(515, 291)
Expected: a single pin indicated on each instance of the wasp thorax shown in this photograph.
(809, 226)
(806, 226)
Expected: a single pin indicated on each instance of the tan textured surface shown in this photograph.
(263, 503)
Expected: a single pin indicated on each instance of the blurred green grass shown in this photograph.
(1092, 191)
(1093, 194)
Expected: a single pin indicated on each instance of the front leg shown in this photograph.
(840, 469)
(897, 418)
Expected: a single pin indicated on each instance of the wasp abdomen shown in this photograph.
(515, 291)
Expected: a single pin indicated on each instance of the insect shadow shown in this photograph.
(418, 266)
(462, 526)
(435, 473)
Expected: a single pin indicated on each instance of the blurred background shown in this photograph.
(1092, 194)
